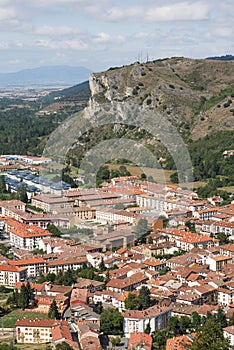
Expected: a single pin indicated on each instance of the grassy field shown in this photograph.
(8, 340)
(32, 346)
(195, 184)
(10, 319)
(227, 188)
(159, 175)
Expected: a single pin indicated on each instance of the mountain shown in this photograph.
(48, 76)
(77, 93)
(157, 104)
(195, 95)
(222, 58)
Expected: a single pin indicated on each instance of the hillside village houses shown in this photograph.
(183, 265)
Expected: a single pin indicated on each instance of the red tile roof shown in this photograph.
(140, 338)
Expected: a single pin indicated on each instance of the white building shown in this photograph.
(34, 266)
(10, 275)
(35, 331)
(228, 333)
(27, 236)
(137, 321)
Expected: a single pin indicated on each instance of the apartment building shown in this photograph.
(137, 321)
(35, 331)
(27, 237)
(10, 275)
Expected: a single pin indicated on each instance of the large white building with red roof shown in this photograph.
(10, 275)
(136, 321)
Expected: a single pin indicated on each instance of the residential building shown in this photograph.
(228, 333)
(137, 321)
(10, 275)
(35, 331)
(141, 341)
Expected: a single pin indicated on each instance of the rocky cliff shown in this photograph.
(196, 96)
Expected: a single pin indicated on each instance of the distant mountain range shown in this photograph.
(48, 76)
(222, 58)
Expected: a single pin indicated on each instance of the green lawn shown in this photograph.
(10, 319)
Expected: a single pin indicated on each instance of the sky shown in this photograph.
(108, 33)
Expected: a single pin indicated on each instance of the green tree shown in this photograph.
(132, 302)
(54, 230)
(53, 311)
(159, 339)
(11, 300)
(221, 318)
(142, 227)
(147, 328)
(68, 278)
(191, 226)
(99, 307)
(174, 178)
(210, 337)
(23, 298)
(63, 346)
(222, 238)
(151, 179)
(103, 174)
(174, 325)
(111, 321)
(185, 324)
(102, 266)
(115, 341)
(50, 277)
(30, 292)
(144, 298)
(107, 278)
(196, 321)
(150, 240)
(22, 193)
(2, 184)
(123, 171)
(59, 278)
(143, 177)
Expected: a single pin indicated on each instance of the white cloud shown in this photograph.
(102, 38)
(223, 32)
(59, 44)
(76, 45)
(183, 11)
(4, 45)
(142, 35)
(117, 13)
(55, 4)
(55, 30)
(4, 2)
(179, 11)
(7, 13)
(52, 3)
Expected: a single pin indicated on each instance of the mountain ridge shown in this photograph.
(195, 95)
(48, 75)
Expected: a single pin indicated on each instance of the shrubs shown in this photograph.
(227, 104)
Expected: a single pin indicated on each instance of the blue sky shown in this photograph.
(105, 33)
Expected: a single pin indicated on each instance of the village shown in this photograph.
(143, 258)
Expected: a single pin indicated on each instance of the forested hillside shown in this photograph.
(24, 127)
